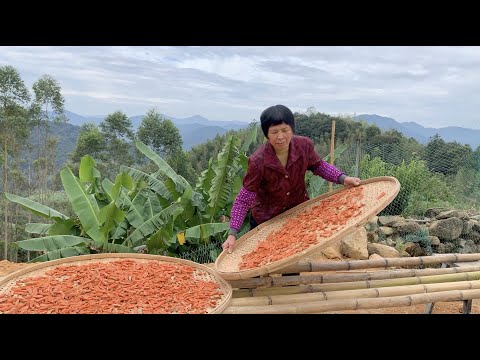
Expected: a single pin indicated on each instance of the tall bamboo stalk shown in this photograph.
(356, 304)
(269, 281)
(311, 266)
(350, 294)
(475, 275)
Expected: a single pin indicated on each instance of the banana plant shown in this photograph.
(193, 204)
(86, 233)
(160, 211)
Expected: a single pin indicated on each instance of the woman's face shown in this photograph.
(279, 136)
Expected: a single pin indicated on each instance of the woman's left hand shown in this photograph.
(348, 181)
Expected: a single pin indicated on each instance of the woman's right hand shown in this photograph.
(229, 243)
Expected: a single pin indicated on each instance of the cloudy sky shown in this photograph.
(433, 86)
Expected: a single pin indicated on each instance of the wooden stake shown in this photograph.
(332, 150)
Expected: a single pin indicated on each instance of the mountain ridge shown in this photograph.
(198, 129)
(422, 134)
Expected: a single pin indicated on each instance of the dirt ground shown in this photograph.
(455, 307)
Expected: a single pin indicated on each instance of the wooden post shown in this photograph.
(332, 150)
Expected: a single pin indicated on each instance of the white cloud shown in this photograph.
(433, 86)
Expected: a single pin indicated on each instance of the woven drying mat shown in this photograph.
(122, 283)
(376, 194)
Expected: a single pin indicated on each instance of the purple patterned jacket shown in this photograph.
(270, 189)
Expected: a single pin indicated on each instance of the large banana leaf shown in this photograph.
(197, 201)
(51, 243)
(163, 238)
(134, 208)
(243, 160)
(204, 231)
(186, 203)
(121, 180)
(120, 231)
(85, 171)
(205, 179)
(37, 228)
(108, 187)
(152, 205)
(163, 167)
(64, 227)
(109, 217)
(35, 208)
(173, 189)
(112, 248)
(221, 188)
(90, 176)
(82, 204)
(252, 135)
(152, 225)
(62, 253)
(153, 183)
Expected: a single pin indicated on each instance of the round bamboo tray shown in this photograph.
(200, 273)
(377, 194)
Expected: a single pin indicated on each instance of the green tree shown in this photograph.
(445, 158)
(14, 127)
(90, 141)
(160, 134)
(48, 98)
(372, 131)
(118, 132)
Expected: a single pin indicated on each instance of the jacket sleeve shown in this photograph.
(244, 201)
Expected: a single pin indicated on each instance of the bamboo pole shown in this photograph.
(475, 275)
(269, 281)
(332, 150)
(356, 304)
(312, 266)
(350, 294)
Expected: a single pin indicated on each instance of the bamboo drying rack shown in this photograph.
(359, 285)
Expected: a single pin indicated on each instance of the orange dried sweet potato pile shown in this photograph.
(301, 232)
(119, 286)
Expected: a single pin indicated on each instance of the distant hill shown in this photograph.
(422, 134)
(194, 129)
(194, 134)
(67, 139)
(197, 129)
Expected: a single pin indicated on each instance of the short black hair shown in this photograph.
(276, 115)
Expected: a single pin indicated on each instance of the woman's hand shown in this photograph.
(348, 181)
(229, 243)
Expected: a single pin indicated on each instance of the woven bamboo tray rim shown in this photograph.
(227, 265)
(201, 271)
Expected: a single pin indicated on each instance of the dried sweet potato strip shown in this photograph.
(120, 286)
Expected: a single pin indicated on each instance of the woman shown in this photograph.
(275, 178)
